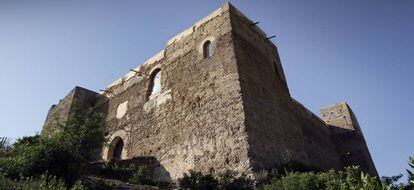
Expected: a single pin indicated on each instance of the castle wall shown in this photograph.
(320, 149)
(265, 97)
(58, 113)
(231, 111)
(196, 122)
(279, 129)
(79, 98)
(348, 138)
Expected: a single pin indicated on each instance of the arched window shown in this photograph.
(155, 83)
(207, 49)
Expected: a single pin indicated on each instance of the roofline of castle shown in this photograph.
(160, 55)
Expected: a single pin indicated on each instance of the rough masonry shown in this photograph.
(216, 98)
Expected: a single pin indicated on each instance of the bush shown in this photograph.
(44, 182)
(137, 176)
(63, 155)
(350, 178)
(78, 186)
(224, 180)
(197, 181)
(229, 180)
(129, 173)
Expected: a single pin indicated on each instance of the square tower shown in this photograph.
(347, 136)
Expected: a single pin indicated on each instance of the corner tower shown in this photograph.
(78, 98)
(279, 129)
(347, 136)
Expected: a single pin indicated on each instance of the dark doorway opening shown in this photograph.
(119, 146)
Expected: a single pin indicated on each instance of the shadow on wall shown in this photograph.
(352, 149)
(101, 106)
(116, 151)
(160, 173)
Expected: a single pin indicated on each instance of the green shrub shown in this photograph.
(197, 181)
(137, 176)
(5, 183)
(61, 155)
(78, 186)
(44, 182)
(392, 181)
(229, 180)
(224, 180)
(351, 178)
(127, 172)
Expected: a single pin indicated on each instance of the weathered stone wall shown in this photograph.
(320, 150)
(279, 129)
(230, 111)
(196, 122)
(79, 98)
(348, 138)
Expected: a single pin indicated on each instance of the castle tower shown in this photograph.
(348, 137)
(78, 98)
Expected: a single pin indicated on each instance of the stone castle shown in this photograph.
(216, 99)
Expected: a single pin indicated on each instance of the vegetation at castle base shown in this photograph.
(351, 178)
(44, 182)
(63, 155)
(131, 173)
(225, 180)
(56, 162)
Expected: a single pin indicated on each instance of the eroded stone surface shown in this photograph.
(231, 111)
(121, 110)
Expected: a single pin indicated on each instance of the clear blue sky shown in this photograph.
(332, 51)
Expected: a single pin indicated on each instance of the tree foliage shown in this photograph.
(351, 178)
(392, 181)
(44, 182)
(4, 146)
(73, 144)
(410, 171)
(225, 180)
